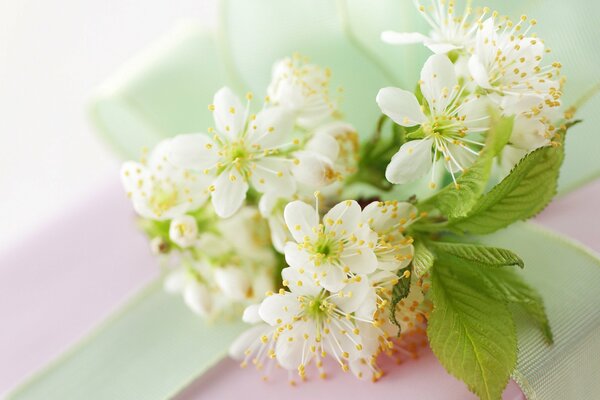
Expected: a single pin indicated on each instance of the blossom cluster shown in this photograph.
(253, 216)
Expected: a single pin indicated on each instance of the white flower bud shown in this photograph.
(233, 282)
(197, 298)
(251, 315)
(183, 230)
(159, 246)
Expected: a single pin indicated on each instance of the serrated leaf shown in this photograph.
(423, 258)
(511, 288)
(476, 254)
(470, 331)
(525, 192)
(399, 292)
(457, 201)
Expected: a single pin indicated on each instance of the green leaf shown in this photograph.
(470, 331)
(457, 200)
(525, 192)
(399, 292)
(478, 255)
(508, 286)
(423, 258)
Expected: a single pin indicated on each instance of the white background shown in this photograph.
(52, 55)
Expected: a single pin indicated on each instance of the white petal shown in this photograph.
(460, 155)
(393, 37)
(271, 127)
(440, 47)
(300, 282)
(313, 169)
(411, 162)
(334, 278)
(228, 113)
(295, 257)
(194, 151)
(197, 298)
(479, 72)
(353, 295)
(343, 217)
(229, 194)
(300, 219)
(401, 106)
(324, 144)
(176, 281)
(233, 282)
(244, 342)
(251, 315)
(438, 80)
(364, 262)
(291, 349)
(528, 133)
(279, 309)
(274, 176)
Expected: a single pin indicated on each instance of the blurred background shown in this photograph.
(52, 55)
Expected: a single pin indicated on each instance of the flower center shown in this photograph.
(163, 199)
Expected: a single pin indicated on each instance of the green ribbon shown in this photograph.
(153, 347)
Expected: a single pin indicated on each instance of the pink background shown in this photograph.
(62, 281)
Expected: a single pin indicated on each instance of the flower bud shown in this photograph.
(233, 283)
(183, 230)
(197, 298)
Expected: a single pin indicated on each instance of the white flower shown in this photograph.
(445, 120)
(302, 88)
(183, 231)
(308, 323)
(449, 31)
(245, 151)
(331, 251)
(389, 220)
(507, 63)
(195, 294)
(160, 191)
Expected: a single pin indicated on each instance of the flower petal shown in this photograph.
(273, 176)
(353, 295)
(230, 193)
(228, 113)
(247, 340)
(401, 106)
(300, 219)
(197, 298)
(194, 151)
(251, 315)
(344, 218)
(411, 162)
(393, 37)
(295, 257)
(362, 261)
(271, 127)
(299, 282)
(440, 47)
(279, 309)
(479, 72)
(334, 278)
(438, 80)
